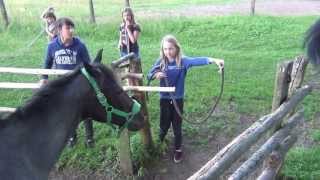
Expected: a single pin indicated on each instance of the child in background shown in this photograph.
(129, 33)
(51, 24)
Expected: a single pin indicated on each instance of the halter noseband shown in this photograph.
(108, 107)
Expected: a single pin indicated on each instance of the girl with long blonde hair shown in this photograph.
(171, 69)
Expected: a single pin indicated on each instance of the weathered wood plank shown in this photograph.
(276, 158)
(281, 85)
(272, 143)
(229, 154)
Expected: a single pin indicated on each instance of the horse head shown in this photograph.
(116, 106)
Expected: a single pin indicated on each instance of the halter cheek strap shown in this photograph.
(108, 107)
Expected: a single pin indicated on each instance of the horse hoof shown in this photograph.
(71, 142)
(90, 143)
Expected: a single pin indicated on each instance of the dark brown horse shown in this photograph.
(312, 43)
(34, 135)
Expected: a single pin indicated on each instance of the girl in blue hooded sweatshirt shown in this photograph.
(173, 67)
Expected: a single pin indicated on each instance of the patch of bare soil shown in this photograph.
(196, 152)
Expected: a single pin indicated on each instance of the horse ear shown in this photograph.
(98, 57)
(88, 67)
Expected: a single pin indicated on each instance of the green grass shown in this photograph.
(251, 47)
(105, 10)
(303, 163)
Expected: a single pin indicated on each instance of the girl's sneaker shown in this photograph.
(177, 156)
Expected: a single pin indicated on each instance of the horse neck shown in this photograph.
(44, 134)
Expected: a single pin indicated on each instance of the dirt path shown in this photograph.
(263, 7)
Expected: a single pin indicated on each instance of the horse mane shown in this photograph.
(106, 70)
(40, 98)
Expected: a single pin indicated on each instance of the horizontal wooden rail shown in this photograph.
(149, 88)
(132, 75)
(7, 109)
(33, 71)
(9, 85)
(123, 59)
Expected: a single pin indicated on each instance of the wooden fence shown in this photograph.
(283, 118)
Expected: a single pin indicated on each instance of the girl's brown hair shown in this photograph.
(130, 12)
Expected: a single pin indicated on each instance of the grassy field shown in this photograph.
(251, 47)
(109, 10)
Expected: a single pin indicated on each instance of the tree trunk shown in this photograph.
(92, 17)
(4, 13)
(127, 3)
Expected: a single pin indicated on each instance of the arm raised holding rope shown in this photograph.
(171, 69)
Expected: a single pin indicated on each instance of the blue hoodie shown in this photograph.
(59, 56)
(176, 75)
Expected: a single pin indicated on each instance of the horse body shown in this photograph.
(34, 135)
(35, 140)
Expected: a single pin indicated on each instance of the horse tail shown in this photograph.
(312, 43)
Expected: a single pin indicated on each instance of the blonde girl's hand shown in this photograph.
(160, 75)
(218, 62)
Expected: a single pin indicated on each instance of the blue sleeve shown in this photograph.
(195, 61)
(48, 61)
(155, 68)
(84, 54)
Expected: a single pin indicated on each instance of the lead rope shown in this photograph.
(176, 107)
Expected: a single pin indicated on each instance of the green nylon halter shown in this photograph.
(108, 107)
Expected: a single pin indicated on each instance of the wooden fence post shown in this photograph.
(135, 67)
(126, 164)
(92, 16)
(253, 5)
(281, 86)
(297, 74)
(4, 13)
(127, 3)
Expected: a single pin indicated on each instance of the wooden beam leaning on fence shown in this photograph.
(286, 106)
